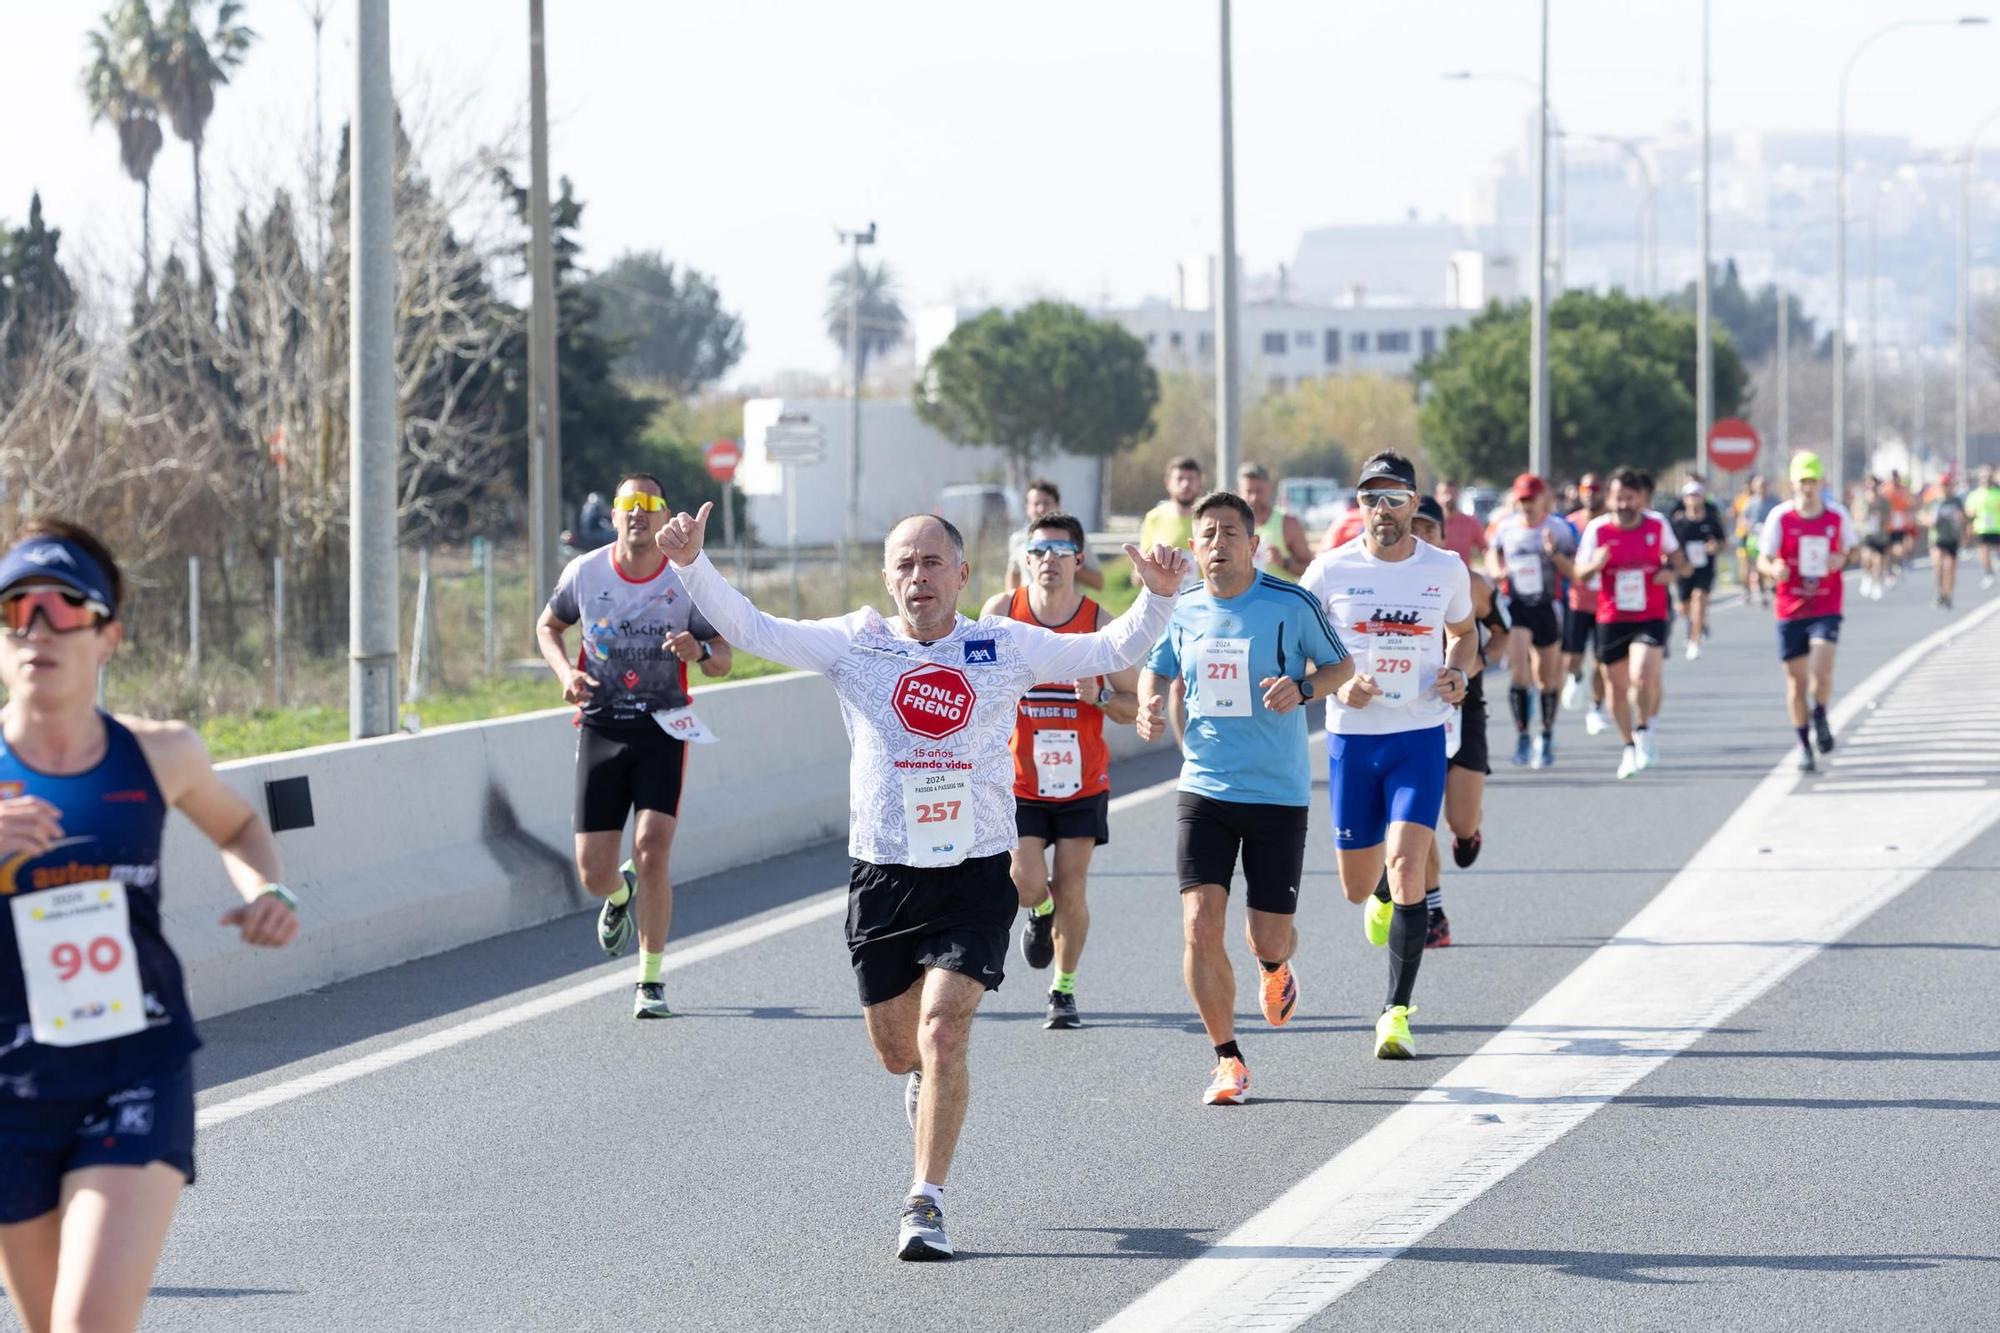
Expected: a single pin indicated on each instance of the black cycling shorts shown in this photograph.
(1702, 580)
(1579, 631)
(903, 920)
(622, 769)
(1616, 637)
(1471, 753)
(1271, 839)
(1541, 619)
(1052, 821)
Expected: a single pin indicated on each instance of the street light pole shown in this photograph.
(1839, 460)
(371, 412)
(1538, 339)
(1228, 408)
(852, 525)
(1784, 371)
(1968, 164)
(1704, 351)
(544, 411)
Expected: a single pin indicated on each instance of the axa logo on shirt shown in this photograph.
(980, 652)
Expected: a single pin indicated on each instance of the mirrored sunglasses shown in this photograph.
(625, 504)
(1387, 499)
(63, 611)
(1046, 548)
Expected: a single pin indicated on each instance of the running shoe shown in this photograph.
(911, 1091)
(1280, 995)
(1694, 650)
(1392, 1034)
(1545, 751)
(649, 1000)
(1523, 750)
(1062, 1012)
(1230, 1084)
(1593, 721)
(1375, 918)
(1822, 735)
(1439, 936)
(1649, 749)
(1038, 940)
(1572, 694)
(1806, 762)
(921, 1238)
(1628, 763)
(614, 920)
(1986, 582)
(1464, 851)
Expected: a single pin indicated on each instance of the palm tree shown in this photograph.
(115, 84)
(882, 321)
(188, 66)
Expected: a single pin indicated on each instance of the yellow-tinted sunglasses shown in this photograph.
(625, 504)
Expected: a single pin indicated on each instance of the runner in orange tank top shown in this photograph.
(1062, 770)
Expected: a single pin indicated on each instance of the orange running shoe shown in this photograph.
(1230, 1084)
(1281, 995)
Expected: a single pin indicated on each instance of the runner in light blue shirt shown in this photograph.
(1249, 652)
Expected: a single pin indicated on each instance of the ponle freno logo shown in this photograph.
(933, 701)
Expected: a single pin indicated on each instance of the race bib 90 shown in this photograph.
(78, 960)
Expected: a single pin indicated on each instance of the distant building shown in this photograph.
(1284, 345)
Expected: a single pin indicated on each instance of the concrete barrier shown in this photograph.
(423, 843)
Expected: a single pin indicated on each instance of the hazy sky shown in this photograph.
(1030, 146)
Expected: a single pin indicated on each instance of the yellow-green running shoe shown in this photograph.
(1392, 1034)
(1375, 918)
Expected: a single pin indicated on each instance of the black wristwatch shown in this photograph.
(706, 651)
(1305, 690)
(1105, 694)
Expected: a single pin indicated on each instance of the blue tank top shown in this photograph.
(112, 817)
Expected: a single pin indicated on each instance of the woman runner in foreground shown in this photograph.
(96, 1092)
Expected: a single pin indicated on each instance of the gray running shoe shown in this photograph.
(649, 1000)
(911, 1091)
(1062, 1011)
(921, 1237)
(1822, 735)
(614, 920)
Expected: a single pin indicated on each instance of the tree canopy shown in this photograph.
(1047, 379)
(669, 327)
(1621, 387)
(1751, 317)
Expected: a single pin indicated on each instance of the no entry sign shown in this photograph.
(1732, 444)
(722, 457)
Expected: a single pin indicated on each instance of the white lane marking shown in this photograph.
(606, 980)
(1711, 942)
(612, 977)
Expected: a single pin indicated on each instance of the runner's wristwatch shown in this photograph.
(282, 894)
(1305, 689)
(1105, 694)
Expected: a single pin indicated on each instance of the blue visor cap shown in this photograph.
(58, 561)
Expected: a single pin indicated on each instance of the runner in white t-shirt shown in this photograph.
(929, 698)
(1404, 608)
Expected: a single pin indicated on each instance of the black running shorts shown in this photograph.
(622, 769)
(903, 920)
(1701, 580)
(1540, 618)
(1471, 753)
(1579, 631)
(1615, 638)
(1271, 838)
(1052, 821)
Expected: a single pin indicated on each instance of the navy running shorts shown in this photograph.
(41, 1141)
(1376, 781)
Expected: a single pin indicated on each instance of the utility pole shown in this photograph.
(1538, 341)
(850, 530)
(544, 410)
(1704, 353)
(371, 409)
(1228, 405)
(1784, 372)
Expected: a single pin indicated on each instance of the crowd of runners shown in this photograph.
(980, 780)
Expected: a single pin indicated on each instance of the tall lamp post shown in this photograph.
(1968, 165)
(1839, 460)
(1704, 350)
(854, 240)
(1228, 405)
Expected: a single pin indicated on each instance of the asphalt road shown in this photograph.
(1819, 1159)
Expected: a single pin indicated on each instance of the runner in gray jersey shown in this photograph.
(629, 682)
(929, 698)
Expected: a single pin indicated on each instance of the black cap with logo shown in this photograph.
(1388, 467)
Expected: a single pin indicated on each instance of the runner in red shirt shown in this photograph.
(1062, 770)
(1632, 553)
(1802, 551)
(1580, 625)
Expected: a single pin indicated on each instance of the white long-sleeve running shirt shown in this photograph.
(932, 780)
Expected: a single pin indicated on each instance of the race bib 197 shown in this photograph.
(79, 963)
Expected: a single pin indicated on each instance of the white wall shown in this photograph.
(904, 463)
(424, 843)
